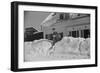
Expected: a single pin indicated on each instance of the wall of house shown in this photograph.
(74, 22)
(70, 25)
(76, 28)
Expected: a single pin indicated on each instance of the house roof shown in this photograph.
(50, 20)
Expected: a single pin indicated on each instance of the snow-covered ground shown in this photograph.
(67, 48)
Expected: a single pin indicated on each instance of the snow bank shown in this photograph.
(73, 45)
(85, 47)
(41, 46)
(67, 46)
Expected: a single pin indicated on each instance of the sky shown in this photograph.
(34, 19)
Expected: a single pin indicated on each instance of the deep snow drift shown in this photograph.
(67, 48)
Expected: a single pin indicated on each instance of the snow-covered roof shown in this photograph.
(49, 20)
(53, 17)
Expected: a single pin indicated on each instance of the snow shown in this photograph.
(67, 48)
(41, 46)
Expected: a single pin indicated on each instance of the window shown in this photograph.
(66, 16)
(73, 33)
(86, 33)
(61, 16)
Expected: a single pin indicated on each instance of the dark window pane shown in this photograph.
(86, 33)
(73, 33)
(61, 16)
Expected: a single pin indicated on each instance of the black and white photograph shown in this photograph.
(56, 36)
(53, 36)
